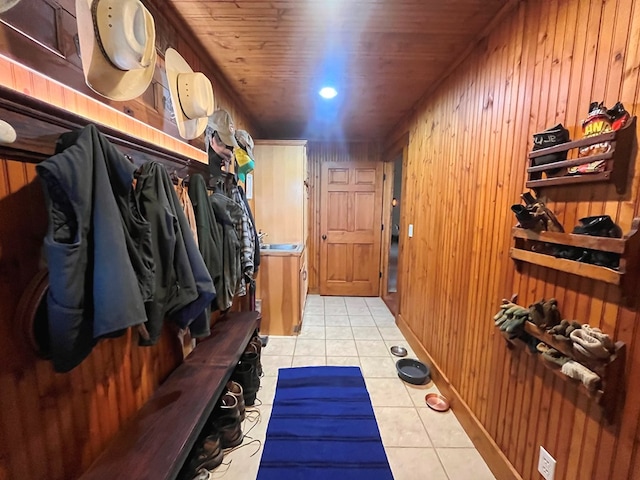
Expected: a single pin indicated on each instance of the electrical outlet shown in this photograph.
(546, 464)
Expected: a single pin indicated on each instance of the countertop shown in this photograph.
(276, 252)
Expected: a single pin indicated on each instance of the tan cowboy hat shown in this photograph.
(117, 46)
(7, 4)
(191, 95)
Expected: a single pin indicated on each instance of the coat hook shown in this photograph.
(7, 133)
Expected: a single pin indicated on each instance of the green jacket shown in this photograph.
(210, 232)
(228, 213)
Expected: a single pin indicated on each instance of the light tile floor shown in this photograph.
(420, 443)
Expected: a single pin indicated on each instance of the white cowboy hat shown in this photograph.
(7, 4)
(191, 95)
(117, 46)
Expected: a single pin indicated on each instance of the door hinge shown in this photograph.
(380, 276)
(382, 227)
(384, 177)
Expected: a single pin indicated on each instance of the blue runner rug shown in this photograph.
(322, 427)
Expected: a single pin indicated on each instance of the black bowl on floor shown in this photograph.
(413, 371)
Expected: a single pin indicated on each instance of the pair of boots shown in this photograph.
(205, 457)
(227, 417)
(536, 216)
(248, 371)
(225, 431)
(596, 226)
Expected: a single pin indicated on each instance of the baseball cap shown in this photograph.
(220, 121)
(245, 141)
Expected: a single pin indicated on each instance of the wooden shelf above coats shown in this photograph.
(628, 247)
(616, 160)
(39, 124)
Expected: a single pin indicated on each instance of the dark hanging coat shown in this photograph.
(210, 235)
(228, 213)
(97, 246)
(183, 287)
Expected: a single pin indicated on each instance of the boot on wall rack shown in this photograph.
(628, 247)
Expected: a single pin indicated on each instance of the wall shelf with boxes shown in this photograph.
(616, 160)
(530, 245)
(611, 371)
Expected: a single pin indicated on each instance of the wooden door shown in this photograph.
(350, 228)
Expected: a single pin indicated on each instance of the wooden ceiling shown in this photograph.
(381, 56)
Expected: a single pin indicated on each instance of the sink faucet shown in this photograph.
(261, 236)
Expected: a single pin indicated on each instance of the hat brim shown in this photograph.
(174, 65)
(100, 75)
(7, 4)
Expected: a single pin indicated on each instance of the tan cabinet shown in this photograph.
(281, 288)
(280, 194)
(281, 199)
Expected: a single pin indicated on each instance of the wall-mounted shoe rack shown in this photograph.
(611, 371)
(628, 247)
(616, 160)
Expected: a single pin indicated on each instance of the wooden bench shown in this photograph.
(156, 442)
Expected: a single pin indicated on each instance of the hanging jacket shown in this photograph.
(244, 229)
(210, 232)
(256, 240)
(187, 207)
(228, 214)
(97, 246)
(183, 287)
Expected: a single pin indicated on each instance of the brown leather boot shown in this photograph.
(255, 346)
(235, 389)
(230, 430)
(246, 375)
(207, 456)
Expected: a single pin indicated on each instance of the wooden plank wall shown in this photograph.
(45, 42)
(54, 425)
(317, 153)
(543, 64)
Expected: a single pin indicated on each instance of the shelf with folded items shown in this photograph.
(530, 245)
(610, 371)
(516, 342)
(616, 160)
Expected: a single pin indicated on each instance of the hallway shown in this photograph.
(420, 443)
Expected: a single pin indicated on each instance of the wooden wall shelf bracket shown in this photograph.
(616, 160)
(628, 247)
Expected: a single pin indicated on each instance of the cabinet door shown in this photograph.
(279, 294)
(280, 191)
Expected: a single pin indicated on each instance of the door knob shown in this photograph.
(324, 237)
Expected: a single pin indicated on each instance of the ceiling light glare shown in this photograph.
(328, 92)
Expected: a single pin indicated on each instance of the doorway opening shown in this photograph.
(394, 222)
(392, 281)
